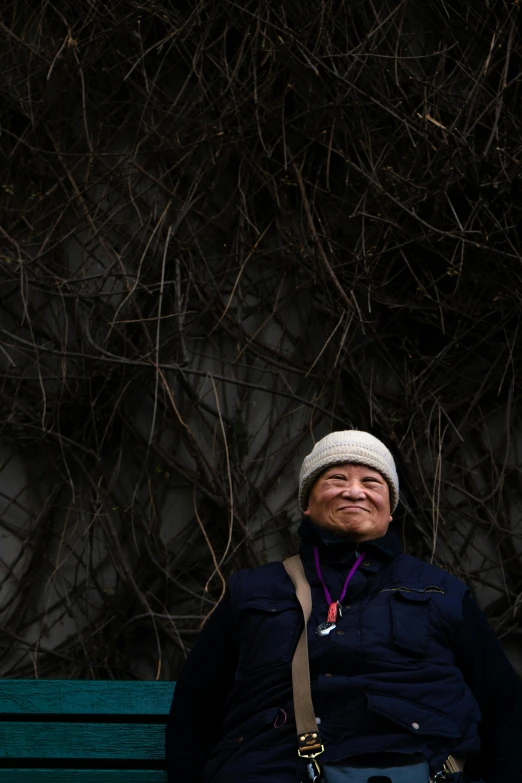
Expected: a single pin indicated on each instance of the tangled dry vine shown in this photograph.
(227, 227)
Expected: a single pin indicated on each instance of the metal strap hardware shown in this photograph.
(453, 765)
(450, 766)
(310, 745)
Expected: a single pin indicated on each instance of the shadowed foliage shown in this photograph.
(225, 229)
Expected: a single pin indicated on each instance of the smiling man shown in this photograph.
(350, 501)
(403, 664)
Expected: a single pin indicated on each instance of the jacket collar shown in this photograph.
(386, 548)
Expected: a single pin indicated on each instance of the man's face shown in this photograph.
(352, 501)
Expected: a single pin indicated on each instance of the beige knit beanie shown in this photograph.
(348, 446)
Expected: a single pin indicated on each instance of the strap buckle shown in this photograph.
(310, 745)
(450, 766)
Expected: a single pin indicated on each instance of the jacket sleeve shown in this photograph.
(498, 691)
(196, 715)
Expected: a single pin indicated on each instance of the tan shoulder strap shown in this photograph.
(308, 738)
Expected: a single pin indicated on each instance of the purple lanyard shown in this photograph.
(352, 572)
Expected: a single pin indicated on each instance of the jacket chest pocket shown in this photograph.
(268, 630)
(410, 621)
(395, 624)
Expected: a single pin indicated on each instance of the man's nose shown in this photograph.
(353, 489)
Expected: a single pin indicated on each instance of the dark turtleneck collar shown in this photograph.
(388, 547)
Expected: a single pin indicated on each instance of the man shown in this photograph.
(402, 660)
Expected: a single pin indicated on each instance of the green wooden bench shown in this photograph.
(82, 731)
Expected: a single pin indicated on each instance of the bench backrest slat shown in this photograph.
(102, 731)
(82, 776)
(28, 740)
(85, 697)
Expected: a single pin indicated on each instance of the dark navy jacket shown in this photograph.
(388, 678)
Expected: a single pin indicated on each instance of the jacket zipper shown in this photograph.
(429, 589)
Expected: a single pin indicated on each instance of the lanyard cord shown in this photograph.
(351, 573)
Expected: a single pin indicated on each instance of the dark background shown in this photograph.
(227, 228)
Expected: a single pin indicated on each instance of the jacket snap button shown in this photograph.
(318, 721)
(239, 739)
(346, 606)
(366, 562)
(328, 674)
(415, 726)
(340, 633)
